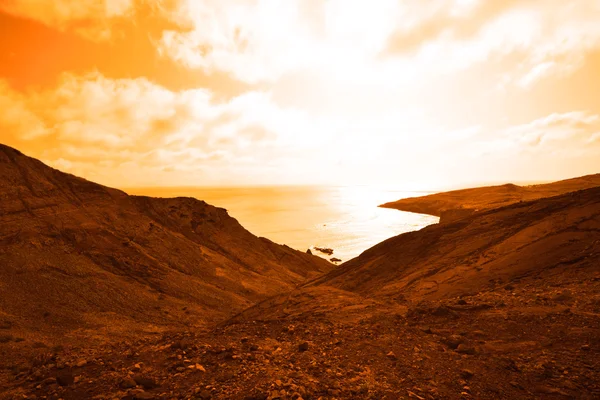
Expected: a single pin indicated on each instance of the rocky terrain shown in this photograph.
(453, 205)
(501, 304)
(76, 255)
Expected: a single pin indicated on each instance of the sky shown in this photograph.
(410, 94)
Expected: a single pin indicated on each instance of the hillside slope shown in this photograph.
(77, 254)
(502, 304)
(558, 235)
(456, 204)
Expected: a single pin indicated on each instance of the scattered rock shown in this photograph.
(335, 260)
(144, 396)
(391, 355)
(127, 383)
(564, 296)
(204, 395)
(443, 311)
(65, 378)
(303, 346)
(200, 368)
(260, 396)
(453, 341)
(48, 381)
(182, 344)
(144, 381)
(467, 374)
(309, 252)
(464, 349)
(81, 363)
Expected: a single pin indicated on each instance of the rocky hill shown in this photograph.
(75, 254)
(487, 250)
(456, 204)
(501, 304)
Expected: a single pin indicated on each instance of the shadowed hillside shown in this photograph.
(483, 251)
(77, 254)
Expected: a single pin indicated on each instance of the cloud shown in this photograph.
(549, 38)
(559, 138)
(385, 40)
(557, 133)
(100, 125)
(16, 119)
(93, 19)
(402, 42)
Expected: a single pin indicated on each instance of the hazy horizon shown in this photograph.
(343, 218)
(398, 187)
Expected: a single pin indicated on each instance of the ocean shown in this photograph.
(343, 218)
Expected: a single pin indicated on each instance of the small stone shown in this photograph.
(144, 396)
(453, 341)
(303, 346)
(585, 347)
(254, 348)
(200, 368)
(127, 383)
(182, 344)
(204, 395)
(464, 349)
(48, 381)
(391, 355)
(145, 382)
(467, 373)
(81, 363)
(65, 378)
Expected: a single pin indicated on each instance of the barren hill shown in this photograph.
(456, 204)
(501, 304)
(504, 304)
(558, 235)
(77, 254)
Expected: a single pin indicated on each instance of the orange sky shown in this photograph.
(407, 93)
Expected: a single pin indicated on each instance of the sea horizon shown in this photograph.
(345, 218)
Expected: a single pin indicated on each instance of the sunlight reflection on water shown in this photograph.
(344, 218)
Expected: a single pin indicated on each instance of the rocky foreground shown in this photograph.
(526, 341)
